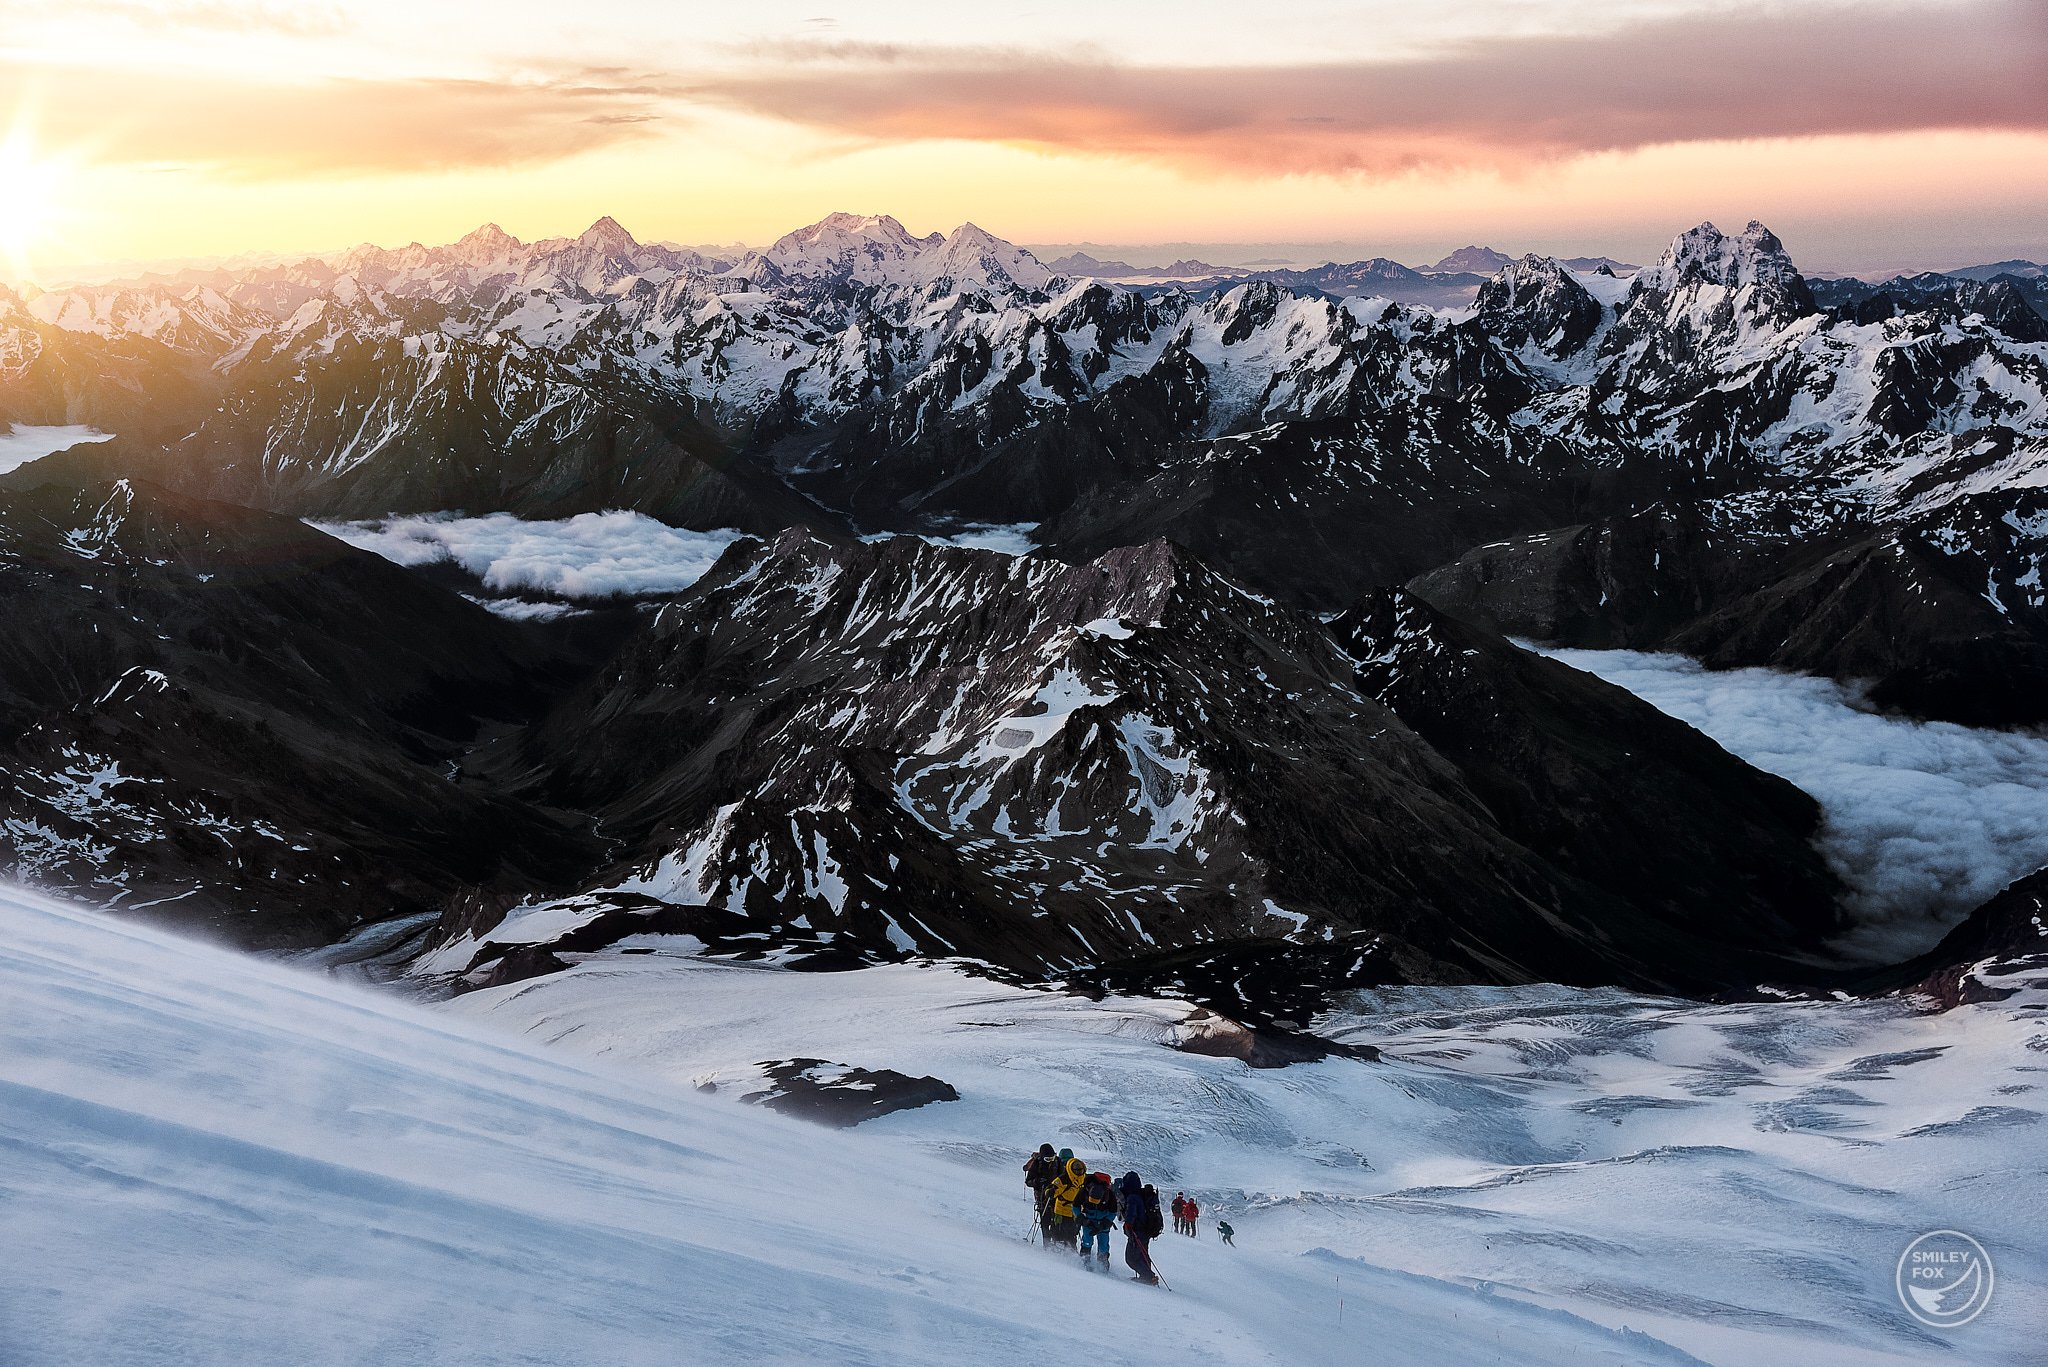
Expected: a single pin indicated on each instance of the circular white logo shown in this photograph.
(1944, 1279)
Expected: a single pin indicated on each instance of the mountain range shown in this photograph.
(1251, 704)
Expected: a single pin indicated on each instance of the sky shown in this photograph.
(1870, 134)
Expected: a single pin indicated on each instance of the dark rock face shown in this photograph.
(2008, 935)
(842, 1097)
(1219, 1037)
(1626, 581)
(1536, 302)
(1943, 618)
(1894, 611)
(843, 753)
(1597, 781)
(246, 726)
(1051, 767)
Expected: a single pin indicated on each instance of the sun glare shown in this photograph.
(29, 201)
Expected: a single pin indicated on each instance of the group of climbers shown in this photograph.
(1077, 1209)
(1185, 1213)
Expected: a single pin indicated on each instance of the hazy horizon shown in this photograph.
(1885, 134)
(1140, 254)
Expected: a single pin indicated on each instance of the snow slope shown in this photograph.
(211, 1159)
(1736, 1182)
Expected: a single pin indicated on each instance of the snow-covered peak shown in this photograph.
(868, 247)
(1734, 288)
(608, 237)
(1706, 255)
(878, 251)
(975, 255)
(488, 243)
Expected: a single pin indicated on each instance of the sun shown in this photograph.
(30, 208)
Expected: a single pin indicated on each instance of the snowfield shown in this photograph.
(216, 1159)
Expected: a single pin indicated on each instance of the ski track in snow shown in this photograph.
(1925, 820)
(21, 444)
(591, 555)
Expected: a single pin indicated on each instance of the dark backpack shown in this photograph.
(1155, 1223)
(1097, 1202)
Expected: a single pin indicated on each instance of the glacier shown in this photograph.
(214, 1158)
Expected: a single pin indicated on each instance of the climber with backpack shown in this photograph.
(1142, 1224)
(1039, 1173)
(1068, 1180)
(1096, 1212)
(1180, 1212)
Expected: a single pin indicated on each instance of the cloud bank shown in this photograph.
(20, 444)
(256, 128)
(1756, 72)
(1925, 820)
(592, 555)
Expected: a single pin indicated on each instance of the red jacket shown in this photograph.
(1180, 1208)
(1191, 1210)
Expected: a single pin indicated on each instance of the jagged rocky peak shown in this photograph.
(1537, 300)
(1755, 260)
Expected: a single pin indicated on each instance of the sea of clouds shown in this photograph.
(591, 555)
(1006, 538)
(21, 444)
(1925, 820)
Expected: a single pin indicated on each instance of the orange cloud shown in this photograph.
(1496, 102)
(257, 129)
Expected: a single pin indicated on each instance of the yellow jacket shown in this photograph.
(1066, 1188)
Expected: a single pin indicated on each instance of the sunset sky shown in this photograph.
(1871, 135)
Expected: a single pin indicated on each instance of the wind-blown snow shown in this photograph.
(211, 1160)
(1925, 820)
(19, 444)
(1735, 1181)
(591, 555)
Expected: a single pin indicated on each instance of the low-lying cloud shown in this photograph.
(1925, 820)
(1757, 72)
(592, 555)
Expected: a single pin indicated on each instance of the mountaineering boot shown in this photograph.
(1102, 1262)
